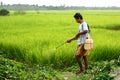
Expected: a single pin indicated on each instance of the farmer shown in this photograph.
(82, 34)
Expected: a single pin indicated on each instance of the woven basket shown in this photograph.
(88, 45)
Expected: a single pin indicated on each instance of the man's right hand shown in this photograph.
(69, 41)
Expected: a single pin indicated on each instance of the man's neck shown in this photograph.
(81, 21)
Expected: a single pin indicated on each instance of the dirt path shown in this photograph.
(71, 76)
(116, 73)
(68, 75)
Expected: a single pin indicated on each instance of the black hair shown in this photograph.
(77, 16)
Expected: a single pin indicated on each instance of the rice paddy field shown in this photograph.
(32, 38)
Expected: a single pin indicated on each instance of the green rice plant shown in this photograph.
(32, 38)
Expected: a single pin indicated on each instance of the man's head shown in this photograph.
(78, 17)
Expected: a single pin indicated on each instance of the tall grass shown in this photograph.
(31, 38)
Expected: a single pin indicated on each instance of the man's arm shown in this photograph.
(76, 36)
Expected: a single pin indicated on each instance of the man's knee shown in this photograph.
(77, 56)
(84, 57)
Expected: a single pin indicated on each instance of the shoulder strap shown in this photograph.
(82, 26)
(88, 27)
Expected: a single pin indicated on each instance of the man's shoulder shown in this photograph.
(84, 23)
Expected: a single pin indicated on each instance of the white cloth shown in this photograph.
(83, 26)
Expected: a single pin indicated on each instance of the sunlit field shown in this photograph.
(32, 38)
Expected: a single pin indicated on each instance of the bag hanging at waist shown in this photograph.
(88, 44)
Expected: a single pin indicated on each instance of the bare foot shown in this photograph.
(79, 72)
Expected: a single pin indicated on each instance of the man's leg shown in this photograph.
(86, 62)
(80, 64)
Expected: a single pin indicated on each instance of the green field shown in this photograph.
(33, 37)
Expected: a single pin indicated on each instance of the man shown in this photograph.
(81, 36)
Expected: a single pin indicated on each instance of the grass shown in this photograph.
(31, 38)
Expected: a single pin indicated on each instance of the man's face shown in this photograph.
(78, 20)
